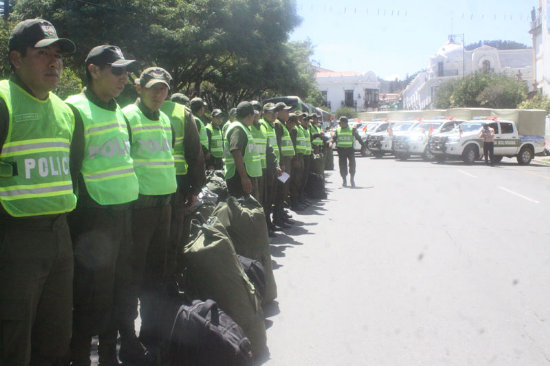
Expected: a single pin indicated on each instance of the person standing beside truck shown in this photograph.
(487, 133)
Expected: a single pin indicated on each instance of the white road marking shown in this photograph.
(519, 195)
(466, 173)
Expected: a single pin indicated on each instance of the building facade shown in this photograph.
(352, 89)
(453, 61)
(540, 32)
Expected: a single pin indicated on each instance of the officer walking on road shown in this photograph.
(344, 143)
(101, 224)
(36, 192)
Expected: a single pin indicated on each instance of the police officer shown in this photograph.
(308, 151)
(317, 142)
(272, 169)
(36, 261)
(198, 108)
(101, 224)
(154, 165)
(343, 137)
(215, 140)
(242, 165)
(190, 174)
(286, 152)
(180, 98)
(297, 162)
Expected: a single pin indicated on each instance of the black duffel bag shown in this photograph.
(255, 272)
(205, 335)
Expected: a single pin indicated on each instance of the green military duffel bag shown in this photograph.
(215, 182)
(318, 164)
(213, 271)
(244, 220)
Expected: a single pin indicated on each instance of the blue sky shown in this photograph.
(397, 37)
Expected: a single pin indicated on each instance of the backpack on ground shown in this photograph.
(212, 271)
(244, 220)
(315, 187)
(203, 334)
(255, 272)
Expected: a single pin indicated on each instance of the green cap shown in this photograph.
(38, 33)
(244, 109)
(154, 75)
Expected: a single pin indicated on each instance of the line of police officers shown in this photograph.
(137, 172)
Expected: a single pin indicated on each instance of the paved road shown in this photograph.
(422, 264)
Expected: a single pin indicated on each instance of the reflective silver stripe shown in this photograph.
(20, 192)
(101, 128)
(141, 163)
(40, 145)
(179, 158)
(151, 128)
(110, 174)
(179, 139)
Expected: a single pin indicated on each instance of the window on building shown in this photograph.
(324, 94)
(371, 98)
(348, 102)
(486, 66)
(440, 71)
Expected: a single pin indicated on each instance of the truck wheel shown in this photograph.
(525, 155)
(427, 156)
(440, 158)
(469, 155)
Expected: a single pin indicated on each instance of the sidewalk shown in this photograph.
(542, 160)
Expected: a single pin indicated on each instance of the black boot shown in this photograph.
(106, 350)
(344, 182)
(352, 181)
(132, 351)
(80, 350)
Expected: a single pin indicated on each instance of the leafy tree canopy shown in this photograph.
(223, 50)
(481, 89)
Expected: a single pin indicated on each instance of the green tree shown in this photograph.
(346, 111)
(234, 48)
(481, 89)
(539, 101)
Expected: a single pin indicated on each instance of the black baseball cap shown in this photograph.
(244, 109)
(38, 33)
(107, 55)
(179, 98)
(154, 75)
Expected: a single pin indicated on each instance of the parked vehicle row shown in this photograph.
(448, 138)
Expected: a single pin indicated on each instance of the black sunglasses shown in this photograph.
(117, 71)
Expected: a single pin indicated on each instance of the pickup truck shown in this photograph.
(464, 142)
(380, 142)
(416, 141)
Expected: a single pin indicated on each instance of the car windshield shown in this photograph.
(402, 126)
(471, 126)
(449, 126)
(371, 126)
(382, 127)
(423, 127)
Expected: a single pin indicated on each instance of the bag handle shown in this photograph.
(210, 307)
